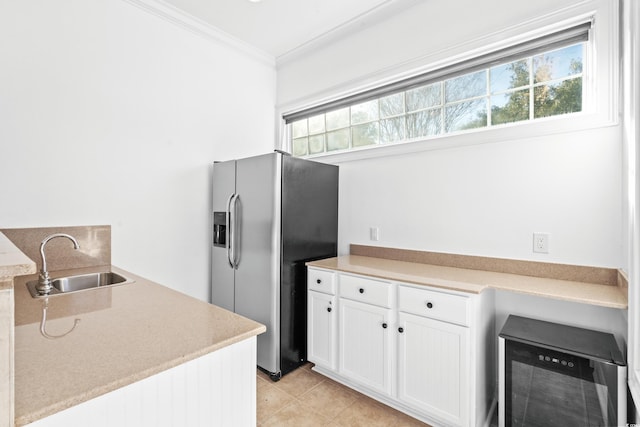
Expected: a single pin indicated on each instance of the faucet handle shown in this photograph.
(44, 283)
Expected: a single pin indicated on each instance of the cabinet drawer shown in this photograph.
(365, 290)
(321, 281)
(435, 305)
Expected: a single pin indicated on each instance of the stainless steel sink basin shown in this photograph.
(80, 282)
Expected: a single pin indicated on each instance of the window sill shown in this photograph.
(542, 127)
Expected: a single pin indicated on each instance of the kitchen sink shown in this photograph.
(80, 282)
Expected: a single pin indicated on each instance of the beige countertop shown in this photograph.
(125, 333)
(476, 281)
(12, 262)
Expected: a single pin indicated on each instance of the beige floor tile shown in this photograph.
(329, 398)
(270, 399)
(407, 421)
(299, 382)
(262, 380)
(305, 398)
(261, 384)
(296, 414)
(307, 365)
(365, 412)
(263, 375)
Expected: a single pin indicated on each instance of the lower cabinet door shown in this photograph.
(321, 321)
(364, 344)
(433, 367)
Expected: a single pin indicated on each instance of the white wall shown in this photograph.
(111, 115)
(483, 199)
(488, 199)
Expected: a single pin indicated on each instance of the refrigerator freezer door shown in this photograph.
(222, 274)
(309, 231)
(257, 291)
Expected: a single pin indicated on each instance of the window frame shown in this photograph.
(600, 85)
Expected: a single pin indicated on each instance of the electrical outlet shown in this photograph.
(374, 234)
(541, 243)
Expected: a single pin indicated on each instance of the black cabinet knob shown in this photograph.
(318, 281)
(361, 291)
(329, 309)
(384, 325)
(429, 305)
(401, 330)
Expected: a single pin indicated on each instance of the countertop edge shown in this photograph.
(13, 262)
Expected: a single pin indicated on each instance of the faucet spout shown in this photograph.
(44, 281)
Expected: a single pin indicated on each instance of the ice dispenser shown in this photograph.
(219, 229)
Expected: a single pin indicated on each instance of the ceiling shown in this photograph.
(278, 27)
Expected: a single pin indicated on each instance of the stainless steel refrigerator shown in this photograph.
(271, 214)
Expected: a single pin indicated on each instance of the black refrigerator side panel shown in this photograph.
(309, 232)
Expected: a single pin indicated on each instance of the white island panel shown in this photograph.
(217, 389)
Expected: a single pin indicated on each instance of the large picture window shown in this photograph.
(534, 80)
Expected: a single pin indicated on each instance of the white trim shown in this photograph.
(189, 22)
(601, 109)
(370, 17)
(631, 140)
(501, 382)
(621, 392)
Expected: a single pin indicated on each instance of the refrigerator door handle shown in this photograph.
(236, 233)
(231, 250)
(229, 236)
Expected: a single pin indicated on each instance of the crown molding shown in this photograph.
(371, 17)
(189, 22)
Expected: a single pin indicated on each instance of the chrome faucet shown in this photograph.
(44, 281)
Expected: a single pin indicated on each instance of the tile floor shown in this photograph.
(306, 398)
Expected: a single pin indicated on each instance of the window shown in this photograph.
(533, 80)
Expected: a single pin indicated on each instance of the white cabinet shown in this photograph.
(369, 291)
(322, 312)
(433, 353)
(364, 344)
(433, 304)
(422, 350)
(321, 281)
(364, 333)
(321, 321)
(433, 370)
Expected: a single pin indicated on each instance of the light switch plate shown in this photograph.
(374, 234)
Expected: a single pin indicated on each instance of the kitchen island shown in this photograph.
(132, 354)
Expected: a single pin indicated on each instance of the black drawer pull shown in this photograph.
(384, 325)
(318, 281)
(401, 330)
(361, 291)
(329, 309)
(429, 305)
